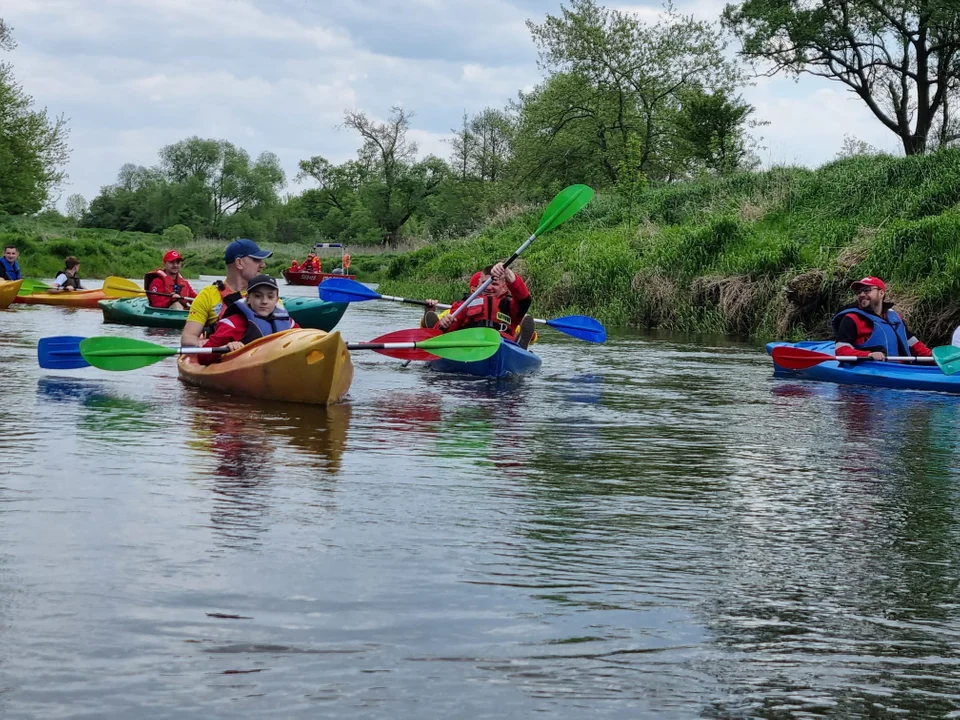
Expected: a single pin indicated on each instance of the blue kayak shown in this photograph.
(510, 359)
(901, 376)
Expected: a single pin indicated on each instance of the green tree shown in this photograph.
(33, 146)
(901, 57)
(177, 236)
(76, 207)
(712, 130)
(637, 73)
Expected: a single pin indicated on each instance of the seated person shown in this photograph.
(68, 279)
(166, 287)
(502, 306)
(9, 265)
(246, 320)
(870, 327)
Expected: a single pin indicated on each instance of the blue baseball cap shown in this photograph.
(244, 247)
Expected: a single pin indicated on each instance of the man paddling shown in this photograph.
(870, 327)
(502, 306)
(166, 287)
(245, 260)
(9, 265)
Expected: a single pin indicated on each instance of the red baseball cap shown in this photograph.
(475, 280)
(869, 281)
(171, 256)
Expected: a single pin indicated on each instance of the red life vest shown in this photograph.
(491, 312)
(178, 286)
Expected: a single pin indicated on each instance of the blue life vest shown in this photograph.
(12, 270)
(888, 334)
(257, 326)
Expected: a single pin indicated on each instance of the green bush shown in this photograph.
(177, 235)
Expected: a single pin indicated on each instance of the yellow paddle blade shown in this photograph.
(118, 287)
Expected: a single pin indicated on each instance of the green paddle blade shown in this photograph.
(948, 358)
(564, 206)
(117, 353)
(468, 345)
(30, 286)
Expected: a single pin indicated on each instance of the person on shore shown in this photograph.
(256, 316)
(502, 306)
(166, 287)
(9, 264)
(245, 260)
(68, 279)
(870, 327)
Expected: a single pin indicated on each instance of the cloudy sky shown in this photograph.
(135, 75)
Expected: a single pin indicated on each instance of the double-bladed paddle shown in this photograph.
(948, 358)
(119, 353)
(118, 287)
(30, 286)
(345, 290)
(564, 206)
(793, 358)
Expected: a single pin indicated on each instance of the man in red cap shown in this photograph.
(871, 327)
(166, 287)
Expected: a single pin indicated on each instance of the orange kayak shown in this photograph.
(8, 292)
(301, 365)
(77, 298)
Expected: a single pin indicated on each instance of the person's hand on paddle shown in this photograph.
(431, 304)
(878, 356)
(445, 322)
(499, 272)
(235, 345)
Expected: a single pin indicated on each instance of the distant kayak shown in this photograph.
(74, 298)
(299, 277)
(901, 376)
(308, 312)
(305, 366)
(509, 360)
(8, 292)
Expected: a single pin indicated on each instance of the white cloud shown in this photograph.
(135, 75)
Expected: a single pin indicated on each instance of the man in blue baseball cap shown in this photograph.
(245, 260)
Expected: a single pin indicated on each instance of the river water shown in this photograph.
(655, 527)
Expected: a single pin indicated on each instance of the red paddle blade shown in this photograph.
(791, 358)
(415, 335)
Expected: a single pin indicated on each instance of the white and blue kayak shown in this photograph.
(509, 360)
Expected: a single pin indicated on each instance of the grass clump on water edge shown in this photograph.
(768, 254)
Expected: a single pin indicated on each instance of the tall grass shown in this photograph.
(765, 254)
(43, 245)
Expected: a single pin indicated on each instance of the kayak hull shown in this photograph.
(8, 292)
(303, 366)
(312, 279)
(311, 313)
(75, 299)
(901, 376)
(510, 360)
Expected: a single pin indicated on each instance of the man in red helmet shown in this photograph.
(870, 327)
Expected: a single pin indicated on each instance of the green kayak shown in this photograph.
(308, 312)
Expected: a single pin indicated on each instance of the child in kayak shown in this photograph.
(502, 306)
(68, 279)
(253, 317)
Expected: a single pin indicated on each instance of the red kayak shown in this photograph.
(299, 277)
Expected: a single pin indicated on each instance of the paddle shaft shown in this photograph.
(439, 306)
(159, 352)
(483, 286)
(890, 358)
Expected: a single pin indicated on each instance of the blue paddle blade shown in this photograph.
(580, 327)
(344, 290)
(61, 353)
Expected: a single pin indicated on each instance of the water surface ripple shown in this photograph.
(652, 528)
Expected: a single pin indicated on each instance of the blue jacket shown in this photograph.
(11, 271)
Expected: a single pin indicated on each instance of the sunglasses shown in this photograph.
(866, 290)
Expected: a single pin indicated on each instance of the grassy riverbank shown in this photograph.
(767, 254)
(43, 245)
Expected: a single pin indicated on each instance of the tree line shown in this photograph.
(623, 104)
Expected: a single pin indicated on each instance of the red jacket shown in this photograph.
(229, 329)
(856, 330)
(158, 281)
(503, 313)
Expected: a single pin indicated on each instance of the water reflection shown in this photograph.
(105, 416)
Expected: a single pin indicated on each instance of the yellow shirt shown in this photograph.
(205, 308)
